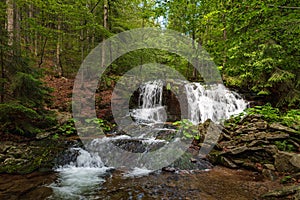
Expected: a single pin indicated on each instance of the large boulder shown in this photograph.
(287, 162)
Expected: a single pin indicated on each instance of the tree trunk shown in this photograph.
(10, 21)
(58, 47)
(2, 90)
(81, 39)
(195, 74)
(225, 39)
(105, 25)
(17, 31)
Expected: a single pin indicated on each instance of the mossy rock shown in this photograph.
(37, 156)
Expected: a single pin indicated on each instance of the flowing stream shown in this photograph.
(85, 172)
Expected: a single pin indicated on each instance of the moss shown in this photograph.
(39, 155)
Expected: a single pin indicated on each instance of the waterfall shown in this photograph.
(150, 103)
(86, 172)
(213, 102)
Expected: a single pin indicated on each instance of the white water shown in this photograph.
(150, 103)
(80, 179)
(137, 172)
(213, 102)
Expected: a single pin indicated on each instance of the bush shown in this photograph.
(267, 111)
(18, 119)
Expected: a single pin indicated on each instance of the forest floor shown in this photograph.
(62, 96)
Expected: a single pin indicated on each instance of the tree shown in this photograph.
(23, 94)
(254, 43)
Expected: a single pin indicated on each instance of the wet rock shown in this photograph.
(169, 169)
(238, 150)
(252, 142)
(284, 192)
(131, 145)
(167, 135)
(228, 163)
(225, 135)
(5, 146)
(250, 118)
(270, 167)
(137, 145)
(258, 143)
(269, 174)
(209, 133)
(17, 152)
(263, 136)
(295, 160)
(23, 158)
(189, 162)
(297, 175)
(2, 157)
(280, 127)
(287, 162)
(261, 125)
(14, 161)
(43, 135)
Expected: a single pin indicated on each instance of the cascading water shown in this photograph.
(150, 103)
(79, 179)
(213, 102)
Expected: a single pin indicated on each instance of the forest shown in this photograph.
(255, 46)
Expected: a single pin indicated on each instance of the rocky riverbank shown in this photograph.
(27, 157)
(271, 149)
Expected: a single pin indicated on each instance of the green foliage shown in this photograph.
(286, 179)
(187, 129)
(25, 98)
(18, 119)
(104, 125)
(292, 119)
(285, 146)
(254, 43)
(234, 119)
(29, 90)
(67, 128)
(267, 111)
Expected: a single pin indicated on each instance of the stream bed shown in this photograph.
(218, 183)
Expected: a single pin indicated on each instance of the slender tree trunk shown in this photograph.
(2, 73)
(10, 21)
(17, 31)
(36, 49)
(43, 52)
(58, 47)
(33, 35)
(194, 47)
(105, 25)
(225, 39)
(81, 38)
